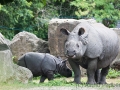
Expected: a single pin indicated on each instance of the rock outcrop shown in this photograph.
(24, 42)
(8, 70)
(116, 63)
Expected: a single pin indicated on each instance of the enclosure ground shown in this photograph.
(113, 84)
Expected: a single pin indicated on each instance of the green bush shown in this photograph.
(113, 73)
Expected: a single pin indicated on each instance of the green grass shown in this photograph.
(58, 82)
(113, 73)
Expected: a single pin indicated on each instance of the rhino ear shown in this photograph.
(64, 61)
(81, 31)
(64, 31)
(58, 57)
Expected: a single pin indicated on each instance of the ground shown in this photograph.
(113, 84)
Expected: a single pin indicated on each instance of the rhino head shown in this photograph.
(64, 70)
(76, 43)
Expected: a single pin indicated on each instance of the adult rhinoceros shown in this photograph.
(44, 65)
(94, 47)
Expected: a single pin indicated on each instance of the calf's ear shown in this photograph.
(64, 61)
(64, 31)
(59, 57)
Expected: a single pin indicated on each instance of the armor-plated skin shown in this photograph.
(94, 47)
(44, 65)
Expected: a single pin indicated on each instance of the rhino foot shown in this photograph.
(42, 79)
(50, 75)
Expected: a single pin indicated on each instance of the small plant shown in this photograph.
(113, 73)
(57, 75)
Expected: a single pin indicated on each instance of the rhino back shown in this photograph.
(32, 61)
(109, 39)
(49, 64)
(110, 43)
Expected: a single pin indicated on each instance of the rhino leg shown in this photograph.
(97, 75)
(92, 67)
(50, 75)
(76, 70)
(104, 73)
(42, 79)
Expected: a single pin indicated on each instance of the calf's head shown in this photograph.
(64, 70)
(75, 45)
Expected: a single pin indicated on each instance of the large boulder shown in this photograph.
(24, 42)
(8, 70)
(22, 74)
(116, 62)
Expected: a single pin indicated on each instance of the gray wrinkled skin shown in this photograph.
(44, 65)
(94, 47)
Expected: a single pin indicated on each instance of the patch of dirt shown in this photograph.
(113, 80)
(73, 88)
(108, 80)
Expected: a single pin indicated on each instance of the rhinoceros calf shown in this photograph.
(44, 65)
(94, 47)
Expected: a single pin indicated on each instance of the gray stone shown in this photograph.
(8, 70)
(6, 65)
(24, 42)
(116, 63)
(22, 74)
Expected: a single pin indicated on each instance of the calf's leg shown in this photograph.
(50, 75)
(42, 78)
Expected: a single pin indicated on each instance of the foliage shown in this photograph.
(65, 10)
(15, 16)
(34, 15)
(113, 73)
(30, 16)
(105, 11)
(5, 1)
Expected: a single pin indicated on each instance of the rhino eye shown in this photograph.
(66, 45)
(77, 45)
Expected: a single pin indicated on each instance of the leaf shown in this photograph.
(77, 13)
(0, 6)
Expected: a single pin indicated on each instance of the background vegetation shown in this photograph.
(34, 15)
